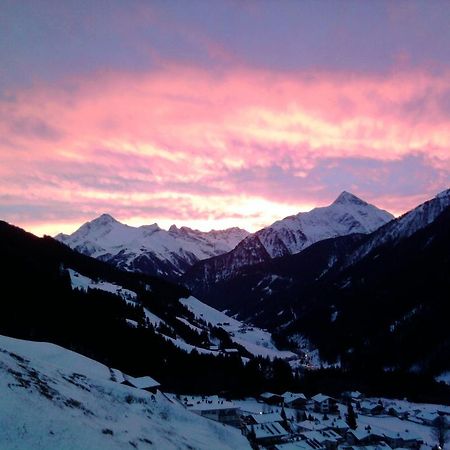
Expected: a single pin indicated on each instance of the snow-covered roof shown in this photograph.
(401, 434)
(265, 430)
(267, 418)
(292, 396)
(141, 382)
(320, 398)
(322, 436)
(312, 425)
(362, 433)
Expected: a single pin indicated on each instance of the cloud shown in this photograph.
(200, 147)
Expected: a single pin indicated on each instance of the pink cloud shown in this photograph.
(182, 135)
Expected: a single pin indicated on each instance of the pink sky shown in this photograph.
(213, 147)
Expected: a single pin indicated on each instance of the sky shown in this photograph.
(219, 114)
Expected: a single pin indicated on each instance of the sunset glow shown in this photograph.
(199, 134)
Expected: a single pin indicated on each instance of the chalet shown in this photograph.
(271, 399)
(363, 436)
(264, 418)
(371, 408)
(427, 418)
(294, 400)
(404, 439)
(324, 404)
(214, 408)
(266, 433)
(311, 425)
(328, 439)
(398, 411)
(145, 383)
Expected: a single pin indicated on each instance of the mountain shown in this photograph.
(346, 215)
(376, 299)
(149, 249)
(387, 306)
(53, 399)
(51, 292)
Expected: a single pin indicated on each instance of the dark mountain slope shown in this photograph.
(390, 309)
(39, 303)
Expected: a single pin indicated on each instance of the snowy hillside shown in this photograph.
(53, 398)
(256, 341)
(149, 248)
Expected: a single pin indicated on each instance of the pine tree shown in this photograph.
(350, 417)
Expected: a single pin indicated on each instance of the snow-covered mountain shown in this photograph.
(404, 226)
(53, 398)
(346, 215)
(149, 248)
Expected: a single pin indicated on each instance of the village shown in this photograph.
(292, 421)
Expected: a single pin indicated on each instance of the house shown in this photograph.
(371, 408)
(398, 411)
(363, 436)
(336, 424)
(404, 439)
(427, 418)
(146, 383)
(324, 404)
(263, 418)
(324, 438)
(214, 408)
(294, 400)
(271, 399)
(266, 433)
(311, 425)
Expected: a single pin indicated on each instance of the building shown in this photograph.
(324, 404)
(363, 436)
(371, 408)
(145, 383)
(214, 408)
(271, 399)
(403, 439)
(266, 433)
(328, 439)
(263, 418)
(294, 400)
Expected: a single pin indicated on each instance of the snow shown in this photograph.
(404, 226)
(108, 239)
(256, 341)
(444, 377)
(84, 283)
(54, 399)
(346, 215)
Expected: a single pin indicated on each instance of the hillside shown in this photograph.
(53, 398)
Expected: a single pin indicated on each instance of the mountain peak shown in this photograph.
(104, 219)
(347, 198)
